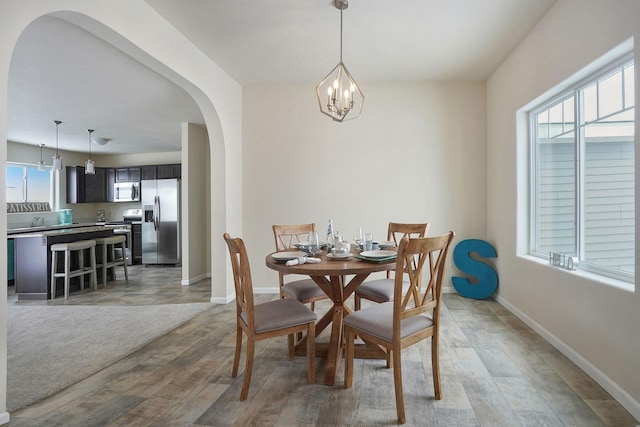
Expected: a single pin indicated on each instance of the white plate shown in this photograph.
(339, 256)
(378, 254)
(286, 256)
(386, 245)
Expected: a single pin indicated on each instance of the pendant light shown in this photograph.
(41, 165)
(338, 93)
(57, 161)
(90, 168)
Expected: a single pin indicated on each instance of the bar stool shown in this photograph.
(108, 247)
(68, 249)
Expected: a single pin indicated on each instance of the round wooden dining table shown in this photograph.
(330, 275)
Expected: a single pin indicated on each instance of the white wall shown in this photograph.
(592, 322)
(417, 154)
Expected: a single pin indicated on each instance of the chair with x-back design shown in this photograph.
(381, 290)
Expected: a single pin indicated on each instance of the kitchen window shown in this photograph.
(583, 174)
(25, 183)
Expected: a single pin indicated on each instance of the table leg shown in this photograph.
(337, 292)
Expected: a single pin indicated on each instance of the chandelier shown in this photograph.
(339, 96)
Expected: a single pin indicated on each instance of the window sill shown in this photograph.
(596, 278)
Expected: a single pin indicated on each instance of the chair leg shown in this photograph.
(236, 356)
(348, 357)
(104, 265)
(248, 368)
(435, 366)
(67, 271)
(124, 261)
(311, 353)
(81, 266)
(54, 261)
(397, 383)
(94, 272)
(291, 344)
(113, 259)
(356, 301)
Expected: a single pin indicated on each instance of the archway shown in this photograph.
(218, 96)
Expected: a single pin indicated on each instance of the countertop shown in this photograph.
(56, 230)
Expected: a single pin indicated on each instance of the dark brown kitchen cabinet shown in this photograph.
(75, 184)
(149, 172)
(128, 174)
(95, 190)
(111, 179)
(165, 171)
(82, 188)
(169, 171)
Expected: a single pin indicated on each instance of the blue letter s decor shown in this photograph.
(486, 275)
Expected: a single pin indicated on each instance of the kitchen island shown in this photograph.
(33, 259)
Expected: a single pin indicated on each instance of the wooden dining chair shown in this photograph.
(381, 290)
(267, 320)
(304, 290)
(402, 322)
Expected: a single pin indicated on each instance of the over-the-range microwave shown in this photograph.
(126, 192)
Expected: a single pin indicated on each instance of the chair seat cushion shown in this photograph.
(303, 290)
(380, 290)
(280, 314)
(377, 320)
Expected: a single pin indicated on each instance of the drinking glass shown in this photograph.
(367, 242)
(314, 244)
(357, 236)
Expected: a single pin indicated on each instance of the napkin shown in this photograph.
(302, 260)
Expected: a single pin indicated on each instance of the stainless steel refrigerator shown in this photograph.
(161, 241)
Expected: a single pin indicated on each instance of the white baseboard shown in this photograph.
(195, 279)
(4, 418)
(222, 300)
(618, 393)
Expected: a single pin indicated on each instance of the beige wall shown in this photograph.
(594, 322)
(196, 212)
(416, 154)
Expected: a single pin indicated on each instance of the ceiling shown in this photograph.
(61, 72)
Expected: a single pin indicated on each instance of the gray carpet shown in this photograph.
(52, 347)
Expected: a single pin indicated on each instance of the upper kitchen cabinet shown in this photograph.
(110, 180)
(149, 172)
(75, 184)
(82, 188)
(128, 174)
(162, 171)
(169, 171)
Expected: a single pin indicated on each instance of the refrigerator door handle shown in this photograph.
(156, 212)
(158, 217)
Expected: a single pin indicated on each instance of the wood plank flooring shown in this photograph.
(496, 371)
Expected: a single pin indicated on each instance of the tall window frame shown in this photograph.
(582, 173)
